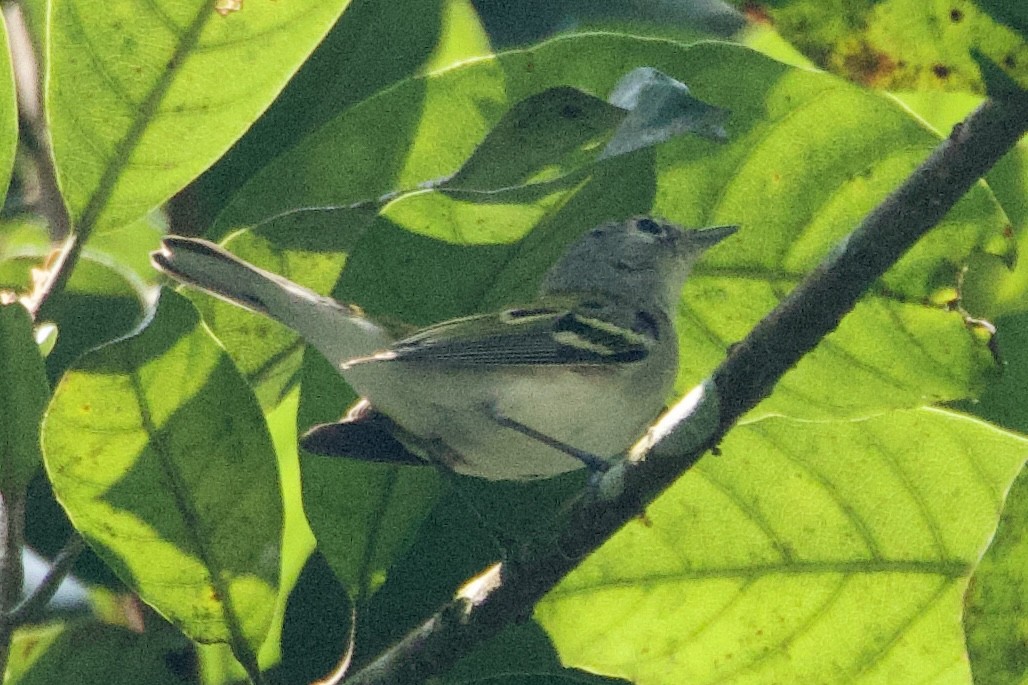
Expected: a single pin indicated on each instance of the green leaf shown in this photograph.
(90, 652)
(833, 552)
(24, 392)
(796, 136)
(141, 97)
(364, 515)
(554, 131)
(98, 305)
(996, 600)
(347, 67)
(8, 112)
(902, 44)
(161, 457)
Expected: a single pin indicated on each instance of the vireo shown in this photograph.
(569, 380)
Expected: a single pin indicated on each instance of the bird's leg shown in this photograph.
(592, 462)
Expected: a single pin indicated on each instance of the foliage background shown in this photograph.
(834, 541)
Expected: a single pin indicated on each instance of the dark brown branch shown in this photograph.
(812, 311)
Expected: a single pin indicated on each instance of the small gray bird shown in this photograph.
(569, 380)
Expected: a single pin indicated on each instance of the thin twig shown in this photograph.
(12, 523)
(58, 270)
(813, 310)
(30, 607)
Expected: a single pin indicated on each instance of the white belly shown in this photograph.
(455, 410)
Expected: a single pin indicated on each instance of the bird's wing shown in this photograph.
(538, 335)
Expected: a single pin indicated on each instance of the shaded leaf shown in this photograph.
(364, 515)
(997, 638)
(521, 655)
(547, 133)
(1011, 12)
(91, 652)
(24, 392)
(159, 454)
(142, 97)
(833, 552)
(98, 305)
(347, 67)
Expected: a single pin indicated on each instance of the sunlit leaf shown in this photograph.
(142, 97)
(833, 552)
(160, 455)
(901, 44)
(798, 172)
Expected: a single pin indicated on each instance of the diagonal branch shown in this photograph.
(507, 592)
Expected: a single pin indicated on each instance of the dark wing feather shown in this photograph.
(537, 336)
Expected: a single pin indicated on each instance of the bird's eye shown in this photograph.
(649, 226)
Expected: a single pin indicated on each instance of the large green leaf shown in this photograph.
(23, 395)
(799, 144)
(348, 66)
(8, 112)
(833, 552)
(808, 155)
(142, 97)
(161, 457)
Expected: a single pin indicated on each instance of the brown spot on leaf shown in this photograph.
(956, 15)
(940, 70)
(869, 66)
(756, 13)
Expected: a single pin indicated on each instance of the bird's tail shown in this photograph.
(340, 332)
